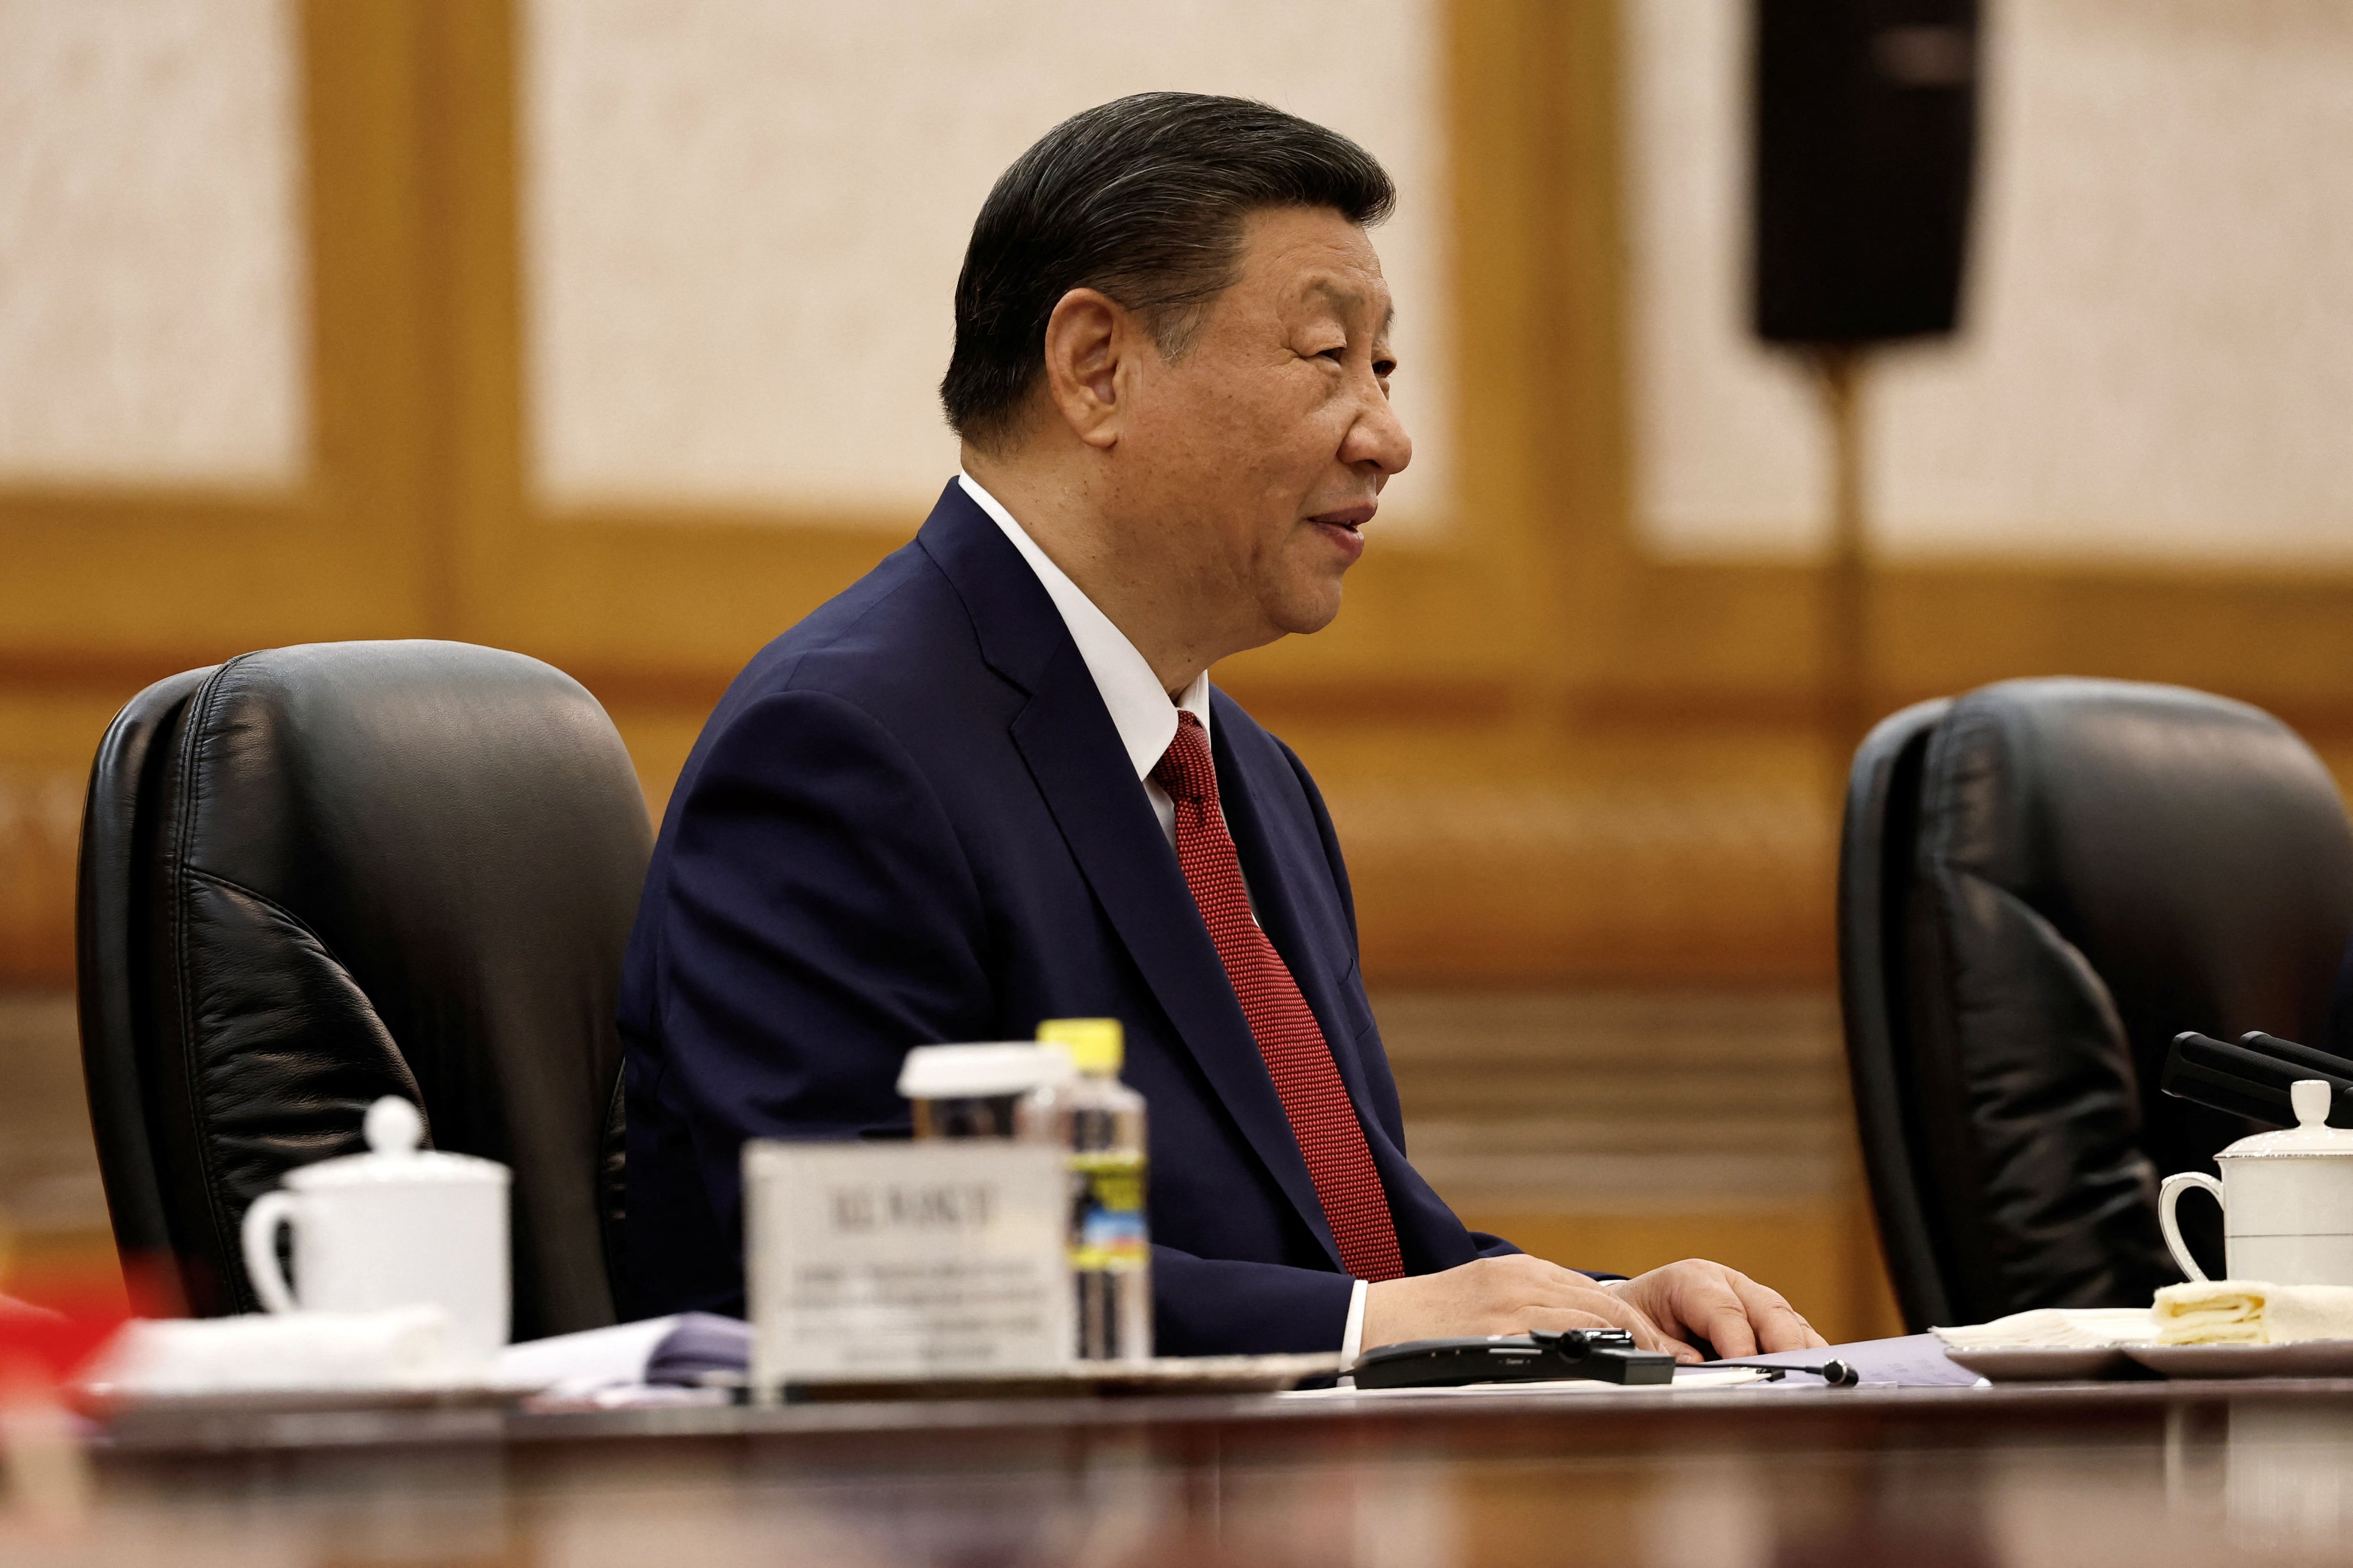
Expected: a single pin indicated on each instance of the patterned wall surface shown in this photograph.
(152, 295)
(2157, 357)
(745, 219)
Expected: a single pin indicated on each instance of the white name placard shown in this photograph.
(869, 1260)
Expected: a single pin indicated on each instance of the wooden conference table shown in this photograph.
(2136, 1474)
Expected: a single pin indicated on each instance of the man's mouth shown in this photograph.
(1343, 526)
(1355, 516)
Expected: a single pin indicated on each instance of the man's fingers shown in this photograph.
(1695, 1300)
(1710, 1308)
(1508, 1295)
(1604, 1309)
(1560, 1320)
(1549, 1279)
(1737, 1316)
(1778, 1323)
(1565, 1291)
(1565, 1288)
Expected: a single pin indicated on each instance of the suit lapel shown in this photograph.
(1066, 737)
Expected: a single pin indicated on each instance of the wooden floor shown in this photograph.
(1606, 1130)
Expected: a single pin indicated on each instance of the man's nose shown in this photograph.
(1378, 437)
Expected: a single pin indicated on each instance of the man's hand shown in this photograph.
(1664, 1309)
(1695, 1300)
(1507, 1295)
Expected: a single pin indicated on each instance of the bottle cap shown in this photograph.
(1095, 1045)
(963, 1072)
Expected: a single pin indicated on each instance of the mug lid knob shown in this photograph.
(2311, 1098)
(393, 1126)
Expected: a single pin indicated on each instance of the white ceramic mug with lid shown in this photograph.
(396, 1226)
(2286, 1197)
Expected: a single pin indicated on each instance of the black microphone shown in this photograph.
(1837, 1374)
(2252, 1078)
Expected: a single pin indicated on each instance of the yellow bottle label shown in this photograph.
(1107, 1226)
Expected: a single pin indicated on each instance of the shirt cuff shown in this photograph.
(1352, 1339)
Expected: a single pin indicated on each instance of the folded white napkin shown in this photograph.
(407, 1347)
(2056, 1328)
(2252, 1312)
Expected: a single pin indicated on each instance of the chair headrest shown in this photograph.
(397, 868)
(2193, 847)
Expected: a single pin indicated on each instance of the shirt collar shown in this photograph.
(1140, 709)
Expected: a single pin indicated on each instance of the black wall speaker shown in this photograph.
(1866, 131)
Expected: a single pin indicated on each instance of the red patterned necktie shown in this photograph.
(1314, 1097)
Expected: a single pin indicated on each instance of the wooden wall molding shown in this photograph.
(1643, 878)
(107, 574)
(41, 827)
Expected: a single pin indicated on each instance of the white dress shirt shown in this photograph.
(1141, 712)
(1140, 709)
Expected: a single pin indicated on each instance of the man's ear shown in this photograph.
(1091, 342)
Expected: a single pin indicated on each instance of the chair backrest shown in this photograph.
(313, 876)
(2040, 884)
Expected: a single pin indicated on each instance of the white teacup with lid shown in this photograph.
(396, 1226)
(2286, 1197)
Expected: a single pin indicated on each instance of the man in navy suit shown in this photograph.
(990, 783)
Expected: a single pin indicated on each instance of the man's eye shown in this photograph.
(1335, 355)
(1384, 368)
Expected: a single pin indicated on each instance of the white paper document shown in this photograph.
(594, 1358)
(1910, 1361)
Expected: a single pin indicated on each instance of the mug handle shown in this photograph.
(2167, 1197)
(268, 1212)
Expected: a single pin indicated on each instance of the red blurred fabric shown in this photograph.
(55, 1326)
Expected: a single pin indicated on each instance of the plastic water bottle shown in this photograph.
(1100, 1120)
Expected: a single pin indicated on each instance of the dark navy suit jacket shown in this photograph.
(911, 820)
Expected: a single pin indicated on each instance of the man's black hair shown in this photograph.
(1141, 198)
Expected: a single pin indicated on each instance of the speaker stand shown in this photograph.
(1846, 651)
(1846, 714)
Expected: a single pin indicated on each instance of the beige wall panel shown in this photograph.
(2160, 363)
(1728, 456)
(2157, 359)
(152, 321)
(744, 220)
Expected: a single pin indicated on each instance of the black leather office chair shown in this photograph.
(313, 876)
(2040, 883)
